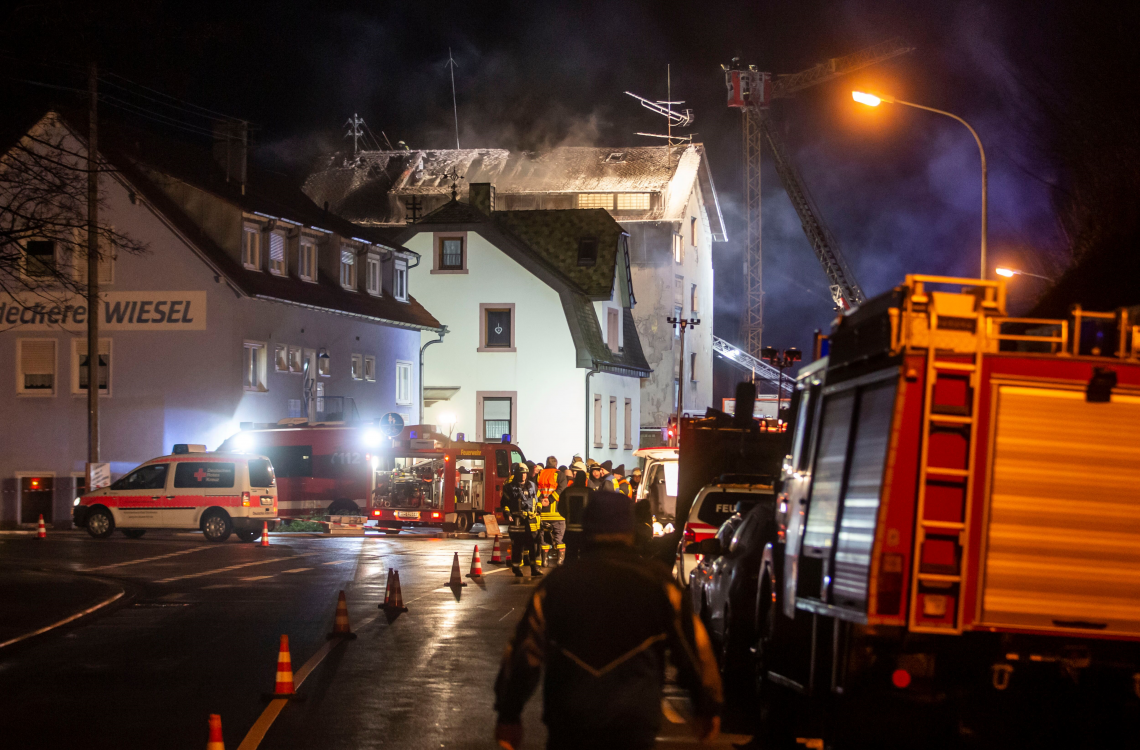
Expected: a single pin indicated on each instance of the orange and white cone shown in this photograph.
(387, 592)
(456, 577)
(265, 533)
(341, 628)
(41, 530)
(394, 602)
(476, 566)
(284, 687)
(496, 552)
(215, 742)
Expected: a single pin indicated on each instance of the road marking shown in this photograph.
(512, 609)
(219, 586)
(338, 562)
(269, 715)
(64, 621)
(235, 567)
(296, 570)
(256, 578)
(149, 559)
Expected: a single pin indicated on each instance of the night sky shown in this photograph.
(899, 188)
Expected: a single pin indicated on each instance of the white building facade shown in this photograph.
(541, 343)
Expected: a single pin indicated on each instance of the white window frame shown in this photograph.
(78, 346)
(628, 424)
(678, 248)
(36, 392)
(400, 279)
(324, 365)
(694, 301)
(372, 275)
(307, 251)
(403, 377)
(79, 262)
(678, 313)
(260, 354)
(357, 367)
(692, 367)
(296, 361)
(613, 423)
(348, 270)
(633, 202)
(56, 259)
(597, 420)
(280, 358)
(279, 268)
(370, 368)
(613, 337)
(251, 246)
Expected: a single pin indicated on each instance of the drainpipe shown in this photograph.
(594, 371)
(442, 332)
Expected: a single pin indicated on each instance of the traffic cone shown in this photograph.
(265, 533)
(456, 581)
(387, 592)
(496, 553)
(476, 565)
(284, 687)
(340, 625)
(394, 603)
(41, 531)
(215, 742)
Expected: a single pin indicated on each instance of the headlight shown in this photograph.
(76, 503)
(372, 438)
(243, 443)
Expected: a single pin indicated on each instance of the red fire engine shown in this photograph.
(962, 523)
(425, 479)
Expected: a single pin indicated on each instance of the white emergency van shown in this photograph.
(218, 493)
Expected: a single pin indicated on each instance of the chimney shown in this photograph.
(482, 197)
(231, 145)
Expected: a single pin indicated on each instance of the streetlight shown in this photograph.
(690, 323)
(873, 101)
(1009, 273)
(781, 361)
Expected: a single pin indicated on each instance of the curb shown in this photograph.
(64, 621)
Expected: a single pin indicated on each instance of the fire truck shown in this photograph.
(960, 527)
(426, 479)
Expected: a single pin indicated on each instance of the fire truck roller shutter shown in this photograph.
(1063, 539)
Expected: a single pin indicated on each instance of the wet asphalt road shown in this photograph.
(198, 629)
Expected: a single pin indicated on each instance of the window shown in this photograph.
(613, 329)
(400, 280)
(39, 259)
(403, 383)
(679, 290)
(295, 364)
(106, 264)
(613, 422)
(826, 486)
(307, 259)
(596, 200)
(676, 392)
(451, 253)
(370, 369)
(693, 231)
(372, 274)
(347, 268)
(496, 418)
(35, 363)
(497, 328)
(693, 367)
(80, 365)
(251, 247)
(588, 251)
(694, 304)
(281, 358)
(253, 366)
(357, 367)
(628, 424)
(203, 474)
(678, 313)
(502, 463)
(597, 421)
(678, 248)
(324, 364)
(289, 460)
(633, 201)
(261, 473)
(151, 477)
(277, 264)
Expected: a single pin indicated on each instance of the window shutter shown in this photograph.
(276, 248)
(347, 257)
(37, 357)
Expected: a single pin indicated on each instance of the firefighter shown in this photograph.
(573, 501)
(622, 483)
(635, 479)
(554, 525)
(518, 503)
(596, 473)
(601, 630)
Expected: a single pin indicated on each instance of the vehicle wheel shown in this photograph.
(216, 525)
(100, 524)
(133, 533)
(249, 536)
(344, 508)
(391, 532)
(463, 522)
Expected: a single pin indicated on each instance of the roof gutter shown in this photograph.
(358, 316)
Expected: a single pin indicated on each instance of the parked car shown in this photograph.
(218, 493)
(709, 552)
(714, 504)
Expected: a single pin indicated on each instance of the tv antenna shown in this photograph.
(681, 118)
(355, 132)
(454, 107)
(454, 177)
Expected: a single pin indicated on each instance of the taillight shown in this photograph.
(690, 535)
(375, 512)
(435, 514)
(245, 499)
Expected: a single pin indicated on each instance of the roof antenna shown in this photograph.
(354, 132)
(452, 64)
(674, 118)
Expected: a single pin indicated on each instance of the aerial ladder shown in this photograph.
(752, 91)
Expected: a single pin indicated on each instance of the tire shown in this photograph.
(391, 532)
(463, 522)
(217, 526)
(249, 536)
(100, 523)
(344, 508)
(133, 533)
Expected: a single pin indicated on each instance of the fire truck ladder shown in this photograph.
(760, 369)
(941, 548)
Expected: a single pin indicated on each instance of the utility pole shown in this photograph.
(92, 270)
(690, 323)
(455, 108)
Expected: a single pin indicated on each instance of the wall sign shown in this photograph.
(119, 311)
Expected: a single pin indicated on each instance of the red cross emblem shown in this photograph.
(200, 474)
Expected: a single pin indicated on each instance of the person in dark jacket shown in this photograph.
(600, 629)
(518, 504)
(573, 502)
(597, 474)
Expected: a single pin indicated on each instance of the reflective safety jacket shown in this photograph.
(624, 487)
(548, 508)
(518, 502)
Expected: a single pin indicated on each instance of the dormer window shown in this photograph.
(616, 157)
(588, 251)
(347, 267)
(596, 200)
(277, 264)
(372, 275)
(633, 201)
(251, 247)
(400, 280)
(307, 258)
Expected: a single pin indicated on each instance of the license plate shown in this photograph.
(267, 499)
(413, 515)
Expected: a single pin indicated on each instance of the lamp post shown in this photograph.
(781, 361)
(690, 323)
(873, 101)
(1009, 273)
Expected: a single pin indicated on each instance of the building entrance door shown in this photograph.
(36, 495)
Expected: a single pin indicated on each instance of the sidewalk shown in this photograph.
(39, 601)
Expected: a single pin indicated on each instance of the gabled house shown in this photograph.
(541, 341)
(664, 197)
(249, 304)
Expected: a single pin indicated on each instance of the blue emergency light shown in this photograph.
(506, 438)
